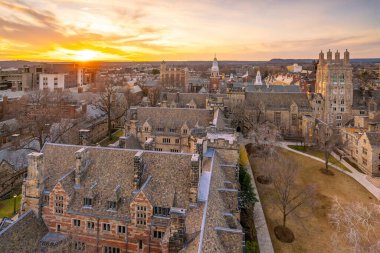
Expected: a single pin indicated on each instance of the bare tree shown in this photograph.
(113, 104)
(357, 225)
(288, 197)
(40, 111)
(264, 136)
(247, 117)
(328, 140)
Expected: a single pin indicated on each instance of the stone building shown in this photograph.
(94, 199)
(215, 77)
(174, 78)
(283, 109)
(167, 129)
(334, 83)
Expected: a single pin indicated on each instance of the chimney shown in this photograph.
(177, 229)
(138, 165)
(329, 56)
(81, 165)
(33, 184)
(346, 57)
(337, 56)
(194, 177)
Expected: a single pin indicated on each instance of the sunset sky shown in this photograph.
(132, 30)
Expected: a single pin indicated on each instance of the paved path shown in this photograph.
(359, 177)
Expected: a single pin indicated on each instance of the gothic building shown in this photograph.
(174, 78)
(334, 84)
(95, 199)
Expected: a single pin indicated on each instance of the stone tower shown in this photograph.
(33, 184)
(214, 78)
(334, 83)
(258, 80)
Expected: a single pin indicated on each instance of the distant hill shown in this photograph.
(16, 64)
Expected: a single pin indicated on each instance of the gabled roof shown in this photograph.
(278, 101)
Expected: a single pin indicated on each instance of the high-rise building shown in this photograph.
(334, 83)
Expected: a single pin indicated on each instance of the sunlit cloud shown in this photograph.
(65, 30)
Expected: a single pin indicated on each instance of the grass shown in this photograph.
(6, 207)
(312, 229)
(319, 154)
(115, 136)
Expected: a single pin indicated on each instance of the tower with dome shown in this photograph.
(215, 76)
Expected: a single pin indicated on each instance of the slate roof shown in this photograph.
(359, 103)
(273, 88)
(112, 168)
(174, 117)
(278, 101)
(23, 235)
(182, 99)
(374, 138)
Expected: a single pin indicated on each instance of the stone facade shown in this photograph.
(334, 83)
(174, 78)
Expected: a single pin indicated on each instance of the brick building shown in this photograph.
(94, 199)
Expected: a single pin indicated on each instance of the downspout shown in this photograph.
(150, 232)
(126, 237)
(97, 234)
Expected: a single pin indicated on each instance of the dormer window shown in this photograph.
(161, 211)
(111, 205)
(172, 130)
(159, 129)
(184, 131)
(87, 202)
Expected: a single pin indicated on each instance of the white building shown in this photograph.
(52, 81)
(295, 68)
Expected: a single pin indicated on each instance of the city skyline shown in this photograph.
(79, 30)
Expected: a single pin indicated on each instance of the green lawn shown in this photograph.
(319, 154)
(7, 205)
(115, 136)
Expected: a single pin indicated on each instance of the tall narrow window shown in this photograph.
(141, 215)
(58, 205)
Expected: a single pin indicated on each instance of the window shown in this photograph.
(140, 244)
(79, 246)
(45, 200)
(177, 141)
(174, 150)
(342, 102)
(161, 211)
(141, 215)
(76, 223)
(338, 117)
(342, 109)
(294, 119)
(109, 249)
(121, 229)
(58, 204)
(90, 225)
(157, 149)
(277, 118)
(158, 234)
(87, 202)
(166, 140)
(378, 167)
(58, 227)
(159, 129)
(112, 205)
(184, 131)
(362, 112)
(106, 227)
(172, 130)
(146, 129)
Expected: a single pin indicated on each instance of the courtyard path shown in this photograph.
(359, 177)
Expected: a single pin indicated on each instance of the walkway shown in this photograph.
(359, 177)
(263, 236)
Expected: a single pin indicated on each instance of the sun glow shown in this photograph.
(85, 55)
